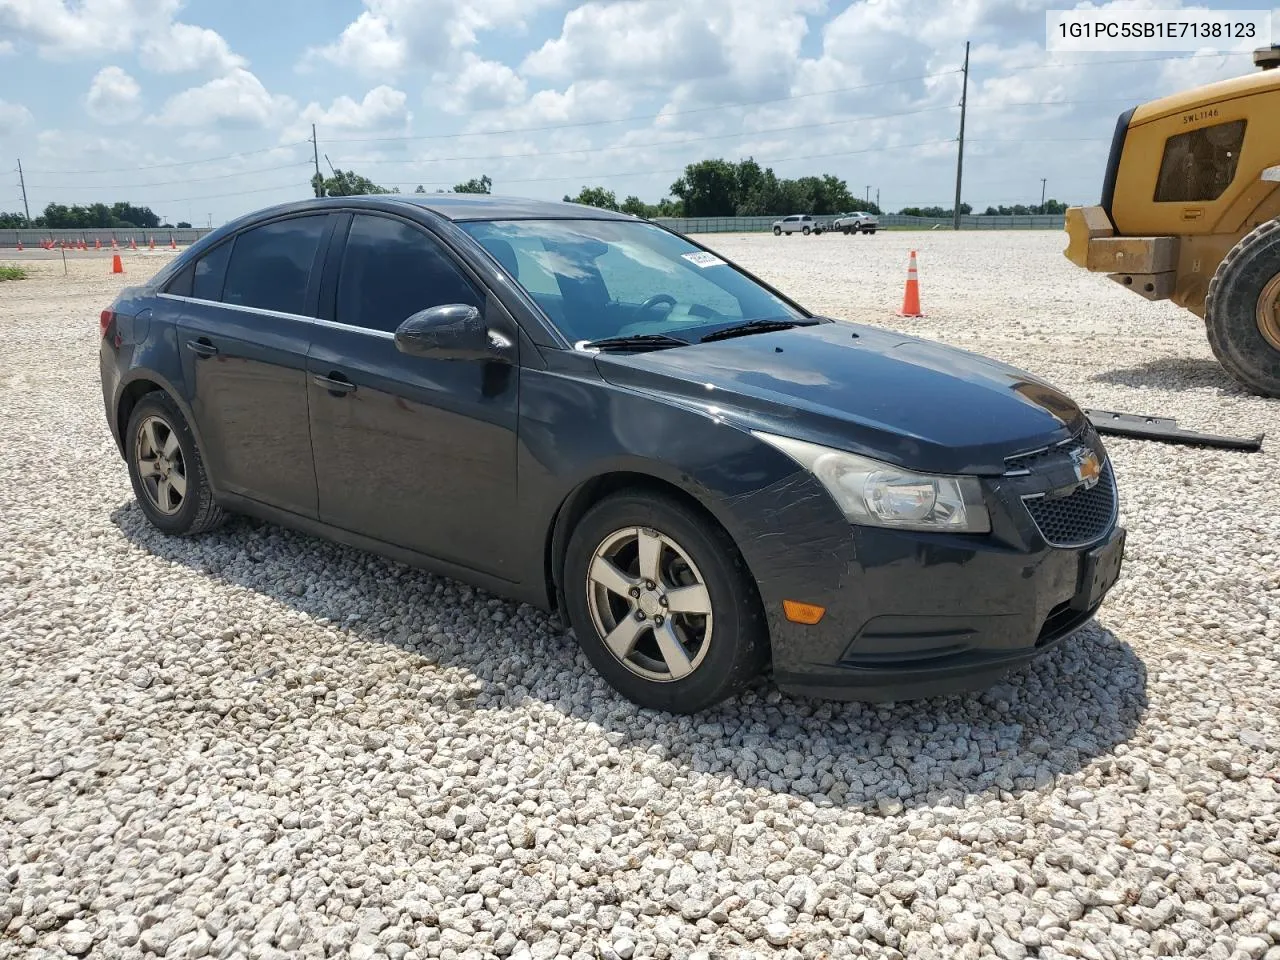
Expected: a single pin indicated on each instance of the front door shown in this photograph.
(413, 451)
(243, 337)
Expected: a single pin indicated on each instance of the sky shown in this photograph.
(203, 109)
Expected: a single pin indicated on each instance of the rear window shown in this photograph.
(210, 269)
(271, 265)
(1199, 165)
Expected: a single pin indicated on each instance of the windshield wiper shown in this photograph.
(755, 326)
(636, 341)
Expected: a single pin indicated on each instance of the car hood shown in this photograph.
(908, 401)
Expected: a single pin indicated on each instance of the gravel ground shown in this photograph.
(258, 744)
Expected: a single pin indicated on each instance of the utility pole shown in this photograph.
(1043, 181)
(26, 211)
(868, 193)
(315, 155)
(964, 103)
(877, 198)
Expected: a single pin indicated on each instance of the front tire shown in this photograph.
(777, 231)
(662, 603)
(166, 469)
(1242, 310)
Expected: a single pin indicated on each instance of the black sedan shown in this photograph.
(585, 411)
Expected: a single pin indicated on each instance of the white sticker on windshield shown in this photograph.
(702, 259)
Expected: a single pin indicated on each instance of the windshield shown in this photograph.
(596, 279)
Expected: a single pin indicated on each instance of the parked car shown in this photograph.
(857, 222)
(589, 413)
(798, 223)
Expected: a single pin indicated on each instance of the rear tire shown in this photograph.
(166, 469)
(807, 231)
(676, 660)
(1242, 310)
(847, 231)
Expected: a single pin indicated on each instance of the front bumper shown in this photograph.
(1146, 265)
(932, 617)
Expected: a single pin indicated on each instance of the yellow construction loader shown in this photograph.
(1190, 212)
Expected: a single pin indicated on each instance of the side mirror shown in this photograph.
(452, 331)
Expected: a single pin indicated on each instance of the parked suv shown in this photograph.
(797, 223)
(860, 222)
(584, 411)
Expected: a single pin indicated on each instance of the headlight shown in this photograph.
(881, 495)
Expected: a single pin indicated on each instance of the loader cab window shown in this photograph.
(1199, 165)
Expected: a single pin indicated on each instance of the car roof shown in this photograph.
(460, 207)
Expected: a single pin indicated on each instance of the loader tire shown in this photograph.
(1242, 310)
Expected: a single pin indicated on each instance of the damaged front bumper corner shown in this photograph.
(1146, 265)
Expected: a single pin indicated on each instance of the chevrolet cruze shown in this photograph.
(585, 411)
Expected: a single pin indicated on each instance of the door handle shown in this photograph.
(202, 347)
(336, 384)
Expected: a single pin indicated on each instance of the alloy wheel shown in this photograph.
(649, 603)
(160, 465)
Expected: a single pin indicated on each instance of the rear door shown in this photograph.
(243, 336)
(414, 451)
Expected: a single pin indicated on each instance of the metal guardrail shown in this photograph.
(888, 220)
(33, 237)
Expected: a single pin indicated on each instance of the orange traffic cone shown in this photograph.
(153, 243)
(133, 244)
(172, 243)
(83, 246)
(911, 296)
(97, 244)
(116, 265)
(114, 246)
(19, 246)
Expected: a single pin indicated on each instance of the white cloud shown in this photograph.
(481, 84)
(114, 96)
(13, 116)
(366, 47)
(182, 47)
(390, 36)
(237, 99)
(6, 48)
(729, 49)
(63, 29)
(382, 109)
(72, 29)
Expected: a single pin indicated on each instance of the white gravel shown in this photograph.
(258, 744)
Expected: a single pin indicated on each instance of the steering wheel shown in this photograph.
(658, 298)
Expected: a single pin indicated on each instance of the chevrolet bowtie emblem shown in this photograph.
(1087, 465)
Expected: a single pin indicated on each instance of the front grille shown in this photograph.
(1081, 517)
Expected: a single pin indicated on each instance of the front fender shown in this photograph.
(790, 532)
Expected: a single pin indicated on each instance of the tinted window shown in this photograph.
(624, 277)
(180, 285)
(391, 270)
(1200, 164)
(210, 269)
(271, 265)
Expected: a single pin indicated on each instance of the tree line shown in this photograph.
(92, 216)
(708, 188)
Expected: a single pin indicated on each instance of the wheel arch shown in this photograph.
(138, 385)
(591, 491)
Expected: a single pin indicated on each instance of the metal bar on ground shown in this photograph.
(1165, 429)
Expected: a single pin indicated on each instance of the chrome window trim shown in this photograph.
(280, 314)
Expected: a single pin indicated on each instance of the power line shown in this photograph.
(183, 163)
(1099, 63)
(369, 161)
(646, 116)
(645, 173)
(165, 183)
